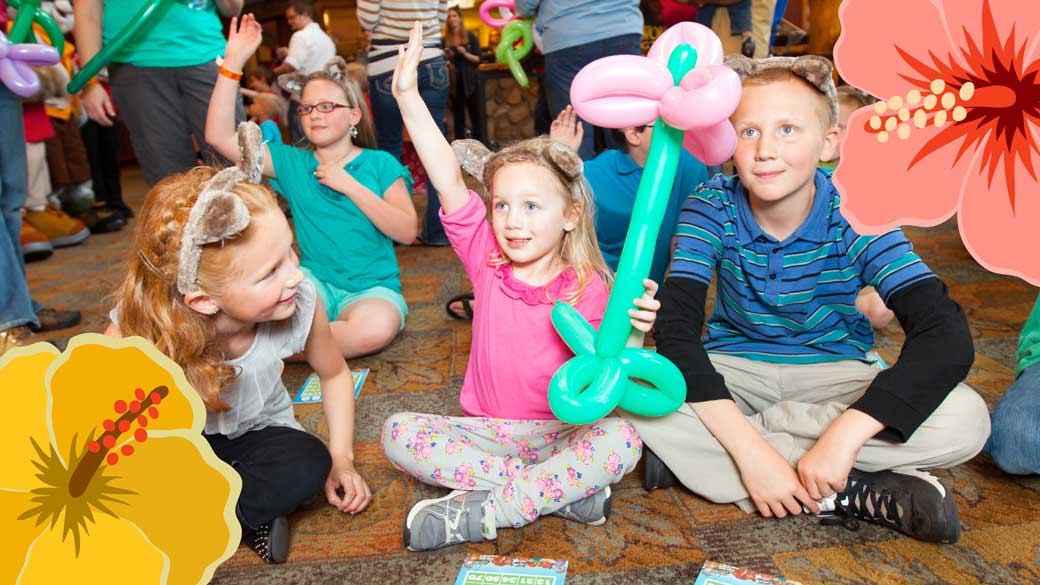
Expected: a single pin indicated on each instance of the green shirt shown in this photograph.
(338, 243)
(186, 34)
(1029, 342)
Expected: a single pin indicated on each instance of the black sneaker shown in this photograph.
(915, 503)
(655, 473)
(271, 540)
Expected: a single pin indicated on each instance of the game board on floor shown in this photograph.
(310, 392)
(713, 573)
(497, 570)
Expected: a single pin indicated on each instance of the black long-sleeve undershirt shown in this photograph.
(936, 356)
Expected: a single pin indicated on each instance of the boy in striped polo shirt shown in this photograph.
(783, 413)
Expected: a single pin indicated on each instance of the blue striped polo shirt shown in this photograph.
(791, 301)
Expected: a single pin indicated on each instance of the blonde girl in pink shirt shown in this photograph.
(509, 460)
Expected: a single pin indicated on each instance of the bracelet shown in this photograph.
(229, 73)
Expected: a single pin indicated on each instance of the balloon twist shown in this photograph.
(507, 52)
(143, 20)
(689, 105)
(29, 11)
(17, 61)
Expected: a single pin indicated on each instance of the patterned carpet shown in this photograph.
(658, 537)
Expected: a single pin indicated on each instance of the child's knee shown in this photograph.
(1015, 441)
(392, 438)
(970, 425)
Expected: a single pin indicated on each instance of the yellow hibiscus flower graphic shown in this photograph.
(106, 476)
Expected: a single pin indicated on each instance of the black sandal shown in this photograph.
(466, 299)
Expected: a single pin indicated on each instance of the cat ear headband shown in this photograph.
(818, 71)
(218, 214)
(473, 157)
(335, 68)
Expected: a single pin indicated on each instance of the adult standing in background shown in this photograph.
(462, 49)
(309, 49)
(576, 33)
(161, 81)
(390, 21)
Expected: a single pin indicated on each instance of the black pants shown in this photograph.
(460, 104)
(280, 468)
(102, 144)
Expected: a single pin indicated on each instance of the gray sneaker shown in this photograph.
(454, 519)
(592, 510)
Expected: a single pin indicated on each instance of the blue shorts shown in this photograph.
(336, 300)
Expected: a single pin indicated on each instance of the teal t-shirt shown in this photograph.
(187, 33)
(338, 243)
(1029, 341)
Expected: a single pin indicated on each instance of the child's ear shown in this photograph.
(201, 303)
(573, 216)
(633, 137)
(355, 116)
(831, 143)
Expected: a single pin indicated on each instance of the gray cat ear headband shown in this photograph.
(818, 71)
(218, 214)
(335, 68)
(473, 156)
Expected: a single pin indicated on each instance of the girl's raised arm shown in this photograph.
(243, 38)
(436, 154)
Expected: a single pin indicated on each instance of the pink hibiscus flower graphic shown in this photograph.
(956, 129)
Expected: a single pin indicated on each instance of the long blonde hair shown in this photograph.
(578, 248)
(149, 304)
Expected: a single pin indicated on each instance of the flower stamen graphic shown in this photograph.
(957, 126)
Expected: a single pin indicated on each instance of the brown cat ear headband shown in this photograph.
(473, 156)
(818, 71)
(218, 214)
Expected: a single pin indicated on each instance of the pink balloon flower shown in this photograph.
(956, 130)
(628, 90)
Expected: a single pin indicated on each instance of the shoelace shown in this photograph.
(451, 526)
(260, 543)
(882, 508)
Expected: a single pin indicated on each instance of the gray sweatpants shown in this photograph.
(164, 108)
(791, 405)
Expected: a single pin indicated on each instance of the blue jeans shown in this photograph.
(433, 87)
(739, 16)
(16, 308)
(561, 67)
(1015, 440)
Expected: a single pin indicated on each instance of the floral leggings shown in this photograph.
(531, 467)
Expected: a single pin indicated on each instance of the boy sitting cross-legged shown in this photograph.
(783, 413)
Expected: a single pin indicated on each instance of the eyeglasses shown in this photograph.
(323, 107)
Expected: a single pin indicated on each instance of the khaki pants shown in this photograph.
(791, 405)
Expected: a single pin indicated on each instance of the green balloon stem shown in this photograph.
(21, 30)
(651, 203)
(144, 18)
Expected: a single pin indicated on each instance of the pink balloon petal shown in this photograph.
(704, 98)
(1003, 239)
(879, 191)
(620, 91)
(712, 145)
(709, 47)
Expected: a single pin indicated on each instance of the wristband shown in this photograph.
(229, 73)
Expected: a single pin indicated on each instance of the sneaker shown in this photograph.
(915, 503)
(35, 245)
(747, 48)
(78, 198)
(454, 519)
(271, 540)
(100, 219)
(58, 226)
(655, 473)
(54, 319)
(592, 510)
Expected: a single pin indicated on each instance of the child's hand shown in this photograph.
(643, 319)
(567, 128)
(356, 494)
(244, 37)
(774, 486)
(406, 73)
(332, 175)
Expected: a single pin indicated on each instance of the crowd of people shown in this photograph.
(783, 414)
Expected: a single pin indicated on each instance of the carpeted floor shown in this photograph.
(658, 537)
